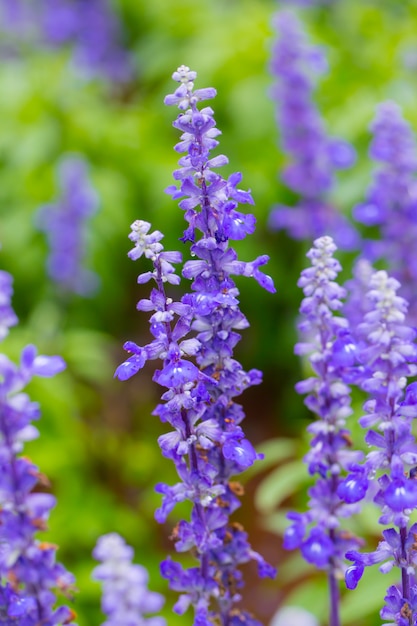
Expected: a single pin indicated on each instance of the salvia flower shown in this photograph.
(331, 351)
(195, 339)
(30, 574)
(65, 225)
(314, 157)
(388, 354)
(91, 29)
(391, 201)
(126, 598)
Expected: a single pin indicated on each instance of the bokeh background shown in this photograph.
(98, 436)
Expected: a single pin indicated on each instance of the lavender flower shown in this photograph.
(391, 201)
(314, 156)
(126, 598)
(64, 223)
(207, 443)
(28, 569)
(331, 354)
(95, 34)
(388, 352)
(90, 27)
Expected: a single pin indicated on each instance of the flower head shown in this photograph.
(314, 156)
(126, 598)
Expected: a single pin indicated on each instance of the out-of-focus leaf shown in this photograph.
(280, 484)
(274, 451)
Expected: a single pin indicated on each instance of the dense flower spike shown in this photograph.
(28, 569)
(91, 28)
(95, 34)
(331, 354)
(314, 156)
(126, 597)
(388, 353)
(391, 200)
(64, 223)
(207, 443)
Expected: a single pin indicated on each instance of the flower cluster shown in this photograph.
(314, 156)
(332, 355)
(391, 201)
(29, 573)
(91, 28)
(64, 224)
(207, 443)
(388, 353)
(126, 597)
(379, 355)
(94, 33)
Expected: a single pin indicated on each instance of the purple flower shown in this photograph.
(332, 356)
(90, 28)
(357, 303)
(27, 562)
(64, 223)
(7, 315)
(126, 598)
(314, 157)
(397, 609)
(391, 200)
(387, 352)
(195, 339)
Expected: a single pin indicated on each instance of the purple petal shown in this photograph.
(353, 575)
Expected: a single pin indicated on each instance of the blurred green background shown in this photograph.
(98, 437)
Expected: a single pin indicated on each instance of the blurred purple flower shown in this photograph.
(28, 563)
(314, 156)
(90, 27)
(64, 223)
(126, 597)
(391, 201)
(8, 317)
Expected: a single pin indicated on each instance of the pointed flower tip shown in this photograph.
(48, 365)
(41, 365)
(353, 575)
(125, 371)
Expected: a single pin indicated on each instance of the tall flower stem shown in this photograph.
(313, 156)
(29, 573)
(195, 338)
(388, 353)
(334, 589)
(330, 351)
(405, 576)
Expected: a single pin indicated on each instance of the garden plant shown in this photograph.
(252, 459)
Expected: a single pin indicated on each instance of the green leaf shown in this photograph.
(280, 484)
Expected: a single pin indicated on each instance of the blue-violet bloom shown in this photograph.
(314, 156)
(195, 338)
